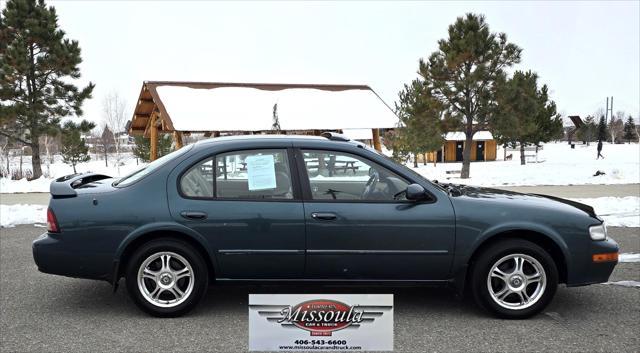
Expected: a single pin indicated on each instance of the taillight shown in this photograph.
(52, 222)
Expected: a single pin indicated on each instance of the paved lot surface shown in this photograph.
(575, 191)
(580, 191)
(35, 198)
(41, 312)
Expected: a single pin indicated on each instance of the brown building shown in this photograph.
(484, 148)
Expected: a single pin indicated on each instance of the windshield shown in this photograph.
(149, 168)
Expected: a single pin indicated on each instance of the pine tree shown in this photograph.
(602, 129)
(524, 115)
(419, 129)
(74, 150)
(37, 65)
(142, 148)
(587, 131)
(462, 75)
(629, 130)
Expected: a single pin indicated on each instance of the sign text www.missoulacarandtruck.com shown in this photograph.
(312, 322)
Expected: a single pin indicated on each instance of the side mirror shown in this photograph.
(415, 192)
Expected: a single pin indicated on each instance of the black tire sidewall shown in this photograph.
(493, 253)
(181, 248)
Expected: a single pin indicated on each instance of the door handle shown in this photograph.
(323, 216)
(193, 215)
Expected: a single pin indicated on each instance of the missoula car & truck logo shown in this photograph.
(321, 317)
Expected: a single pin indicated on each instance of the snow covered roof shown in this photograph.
(358, 134)
(459, 136)
(204, 107)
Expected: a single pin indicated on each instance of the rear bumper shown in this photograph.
(586, 271)
(52, 255)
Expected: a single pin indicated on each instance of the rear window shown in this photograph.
(151, 167)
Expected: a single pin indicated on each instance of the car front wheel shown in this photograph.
(514, 279)
(166, 277)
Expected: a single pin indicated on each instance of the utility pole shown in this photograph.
(609, 109)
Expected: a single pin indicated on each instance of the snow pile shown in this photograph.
(616, 211)
(11, 215)
(630, 284)
(631, 257)
(8, 186)
(560, 165)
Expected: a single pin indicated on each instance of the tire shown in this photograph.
(166, 291)
(493, 270)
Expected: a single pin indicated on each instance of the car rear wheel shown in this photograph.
(166, 277)
(514, 279)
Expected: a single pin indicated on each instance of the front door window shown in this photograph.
(342, 176)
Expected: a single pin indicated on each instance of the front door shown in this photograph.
(356, 229)
(480, 150)
(459, 150)
(244, 204)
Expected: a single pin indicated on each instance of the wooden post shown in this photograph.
(376, 140)
(177, 138)
(153, 151)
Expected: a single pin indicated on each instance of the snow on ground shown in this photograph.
(616, 211)
(58, 169)
(558, 165)
(12, 215)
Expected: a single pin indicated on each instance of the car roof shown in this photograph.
(287, 138)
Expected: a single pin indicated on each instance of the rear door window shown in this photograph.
(253, 174)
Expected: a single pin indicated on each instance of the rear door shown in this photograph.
(246, 204)
(360, 232)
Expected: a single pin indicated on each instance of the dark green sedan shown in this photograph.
(314, 209)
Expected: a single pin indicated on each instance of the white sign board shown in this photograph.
(261, 172)
(312, 322)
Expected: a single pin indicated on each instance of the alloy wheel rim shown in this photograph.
(516, 281)
(165, 279)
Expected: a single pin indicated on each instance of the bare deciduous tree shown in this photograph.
(114, 109)
(616, 125)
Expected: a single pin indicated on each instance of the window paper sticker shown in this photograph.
(261, 172)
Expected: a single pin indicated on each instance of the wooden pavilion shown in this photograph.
(214, 108)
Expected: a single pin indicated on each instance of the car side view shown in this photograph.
(314, 209)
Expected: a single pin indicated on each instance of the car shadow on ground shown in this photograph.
(96, 298)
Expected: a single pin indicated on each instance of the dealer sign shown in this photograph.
(299, 322)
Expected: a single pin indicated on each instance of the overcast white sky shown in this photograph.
(584, 51)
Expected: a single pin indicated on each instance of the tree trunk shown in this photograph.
(35, 160)
(118, 157)
(522, 160)
(425, 159)
(415, 160)
(466, 156)
(74, 168)
(106, 163)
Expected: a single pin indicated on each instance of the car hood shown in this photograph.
(516, 198)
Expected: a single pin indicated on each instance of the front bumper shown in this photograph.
(54, 256)
(586, 271)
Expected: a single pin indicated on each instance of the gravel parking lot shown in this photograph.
(41, 312)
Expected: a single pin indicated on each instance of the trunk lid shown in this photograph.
(75, 184)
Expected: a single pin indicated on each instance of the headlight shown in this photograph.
(598, 232)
